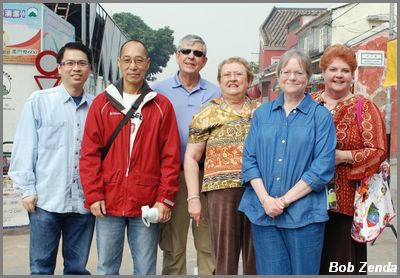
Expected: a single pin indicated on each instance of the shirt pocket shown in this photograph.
(53, 135)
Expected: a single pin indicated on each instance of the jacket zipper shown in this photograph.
(127, 169)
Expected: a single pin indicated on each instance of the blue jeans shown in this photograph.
(281, 251)
(110, 233)
(46, 229)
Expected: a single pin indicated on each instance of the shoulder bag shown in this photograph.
(373, 205)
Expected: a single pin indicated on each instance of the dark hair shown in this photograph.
(77, 46)
(134, 40)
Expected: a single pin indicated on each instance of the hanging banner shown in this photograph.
(391, 66)
(21, 32)
(56, 31)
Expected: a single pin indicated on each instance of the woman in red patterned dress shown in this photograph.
(358, 154)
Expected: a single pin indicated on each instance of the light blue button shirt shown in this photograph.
(185, 102)
(46, 150)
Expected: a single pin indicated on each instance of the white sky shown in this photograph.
(229, 29)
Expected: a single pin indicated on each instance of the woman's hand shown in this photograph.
(343, 157)
(194, 209)
(272, 206)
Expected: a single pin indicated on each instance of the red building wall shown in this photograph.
(370, 80)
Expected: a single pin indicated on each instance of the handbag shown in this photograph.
(373, 204)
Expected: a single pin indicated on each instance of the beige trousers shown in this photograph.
(174, 233)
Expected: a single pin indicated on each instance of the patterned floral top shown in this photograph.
(224, 131)
(368, 147)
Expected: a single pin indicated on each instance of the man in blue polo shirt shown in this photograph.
(187, 91)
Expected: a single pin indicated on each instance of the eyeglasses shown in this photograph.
(72, 63)
(297, 74)
(187, 51)
(235, 74)
(139, 61)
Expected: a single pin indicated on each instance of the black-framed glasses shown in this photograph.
(139, 61)
(187, 51)
(72, 63)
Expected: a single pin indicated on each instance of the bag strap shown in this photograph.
(359, 110)
(128, 115)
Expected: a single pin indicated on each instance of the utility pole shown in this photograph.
(388, 109)
(388, 114)
(83, 23)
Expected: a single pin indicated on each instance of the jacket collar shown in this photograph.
(114, 93)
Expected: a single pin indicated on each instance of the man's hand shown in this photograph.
(29, 203)
(98, 208)
(164, 212)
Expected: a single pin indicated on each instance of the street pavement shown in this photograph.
(382, 255)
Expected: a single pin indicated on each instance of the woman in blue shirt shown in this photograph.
(288, 159)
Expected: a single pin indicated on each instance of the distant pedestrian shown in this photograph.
(359, 154)
(219, 129)
(141, 167)
(288, 159)
(187, 91)
(44, 167)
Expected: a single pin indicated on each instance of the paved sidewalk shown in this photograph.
(381, 255)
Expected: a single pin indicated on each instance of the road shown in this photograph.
(381, 256)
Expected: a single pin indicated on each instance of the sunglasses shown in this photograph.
(186, 51)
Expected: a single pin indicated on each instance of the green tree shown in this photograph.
(160, 43)
(254, 67)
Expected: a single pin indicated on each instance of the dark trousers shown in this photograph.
(230, 232)
(340, 247)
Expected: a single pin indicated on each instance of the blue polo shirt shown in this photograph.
(186, 103)
(282, 150)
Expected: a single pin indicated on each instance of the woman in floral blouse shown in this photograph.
(220, 129)
(359, 152)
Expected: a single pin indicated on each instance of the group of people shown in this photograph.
(252, 179)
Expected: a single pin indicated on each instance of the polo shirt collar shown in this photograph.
(177, 83)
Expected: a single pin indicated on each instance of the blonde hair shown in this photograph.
(239, 60)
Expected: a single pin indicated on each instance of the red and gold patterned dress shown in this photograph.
(367, 146)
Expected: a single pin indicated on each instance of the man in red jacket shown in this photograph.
(141, 167)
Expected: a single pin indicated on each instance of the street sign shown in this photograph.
(46, 64)
(371, 58)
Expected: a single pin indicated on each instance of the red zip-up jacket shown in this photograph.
(127, 181)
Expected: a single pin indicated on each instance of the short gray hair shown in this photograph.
(191, 40)
(304, 60)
